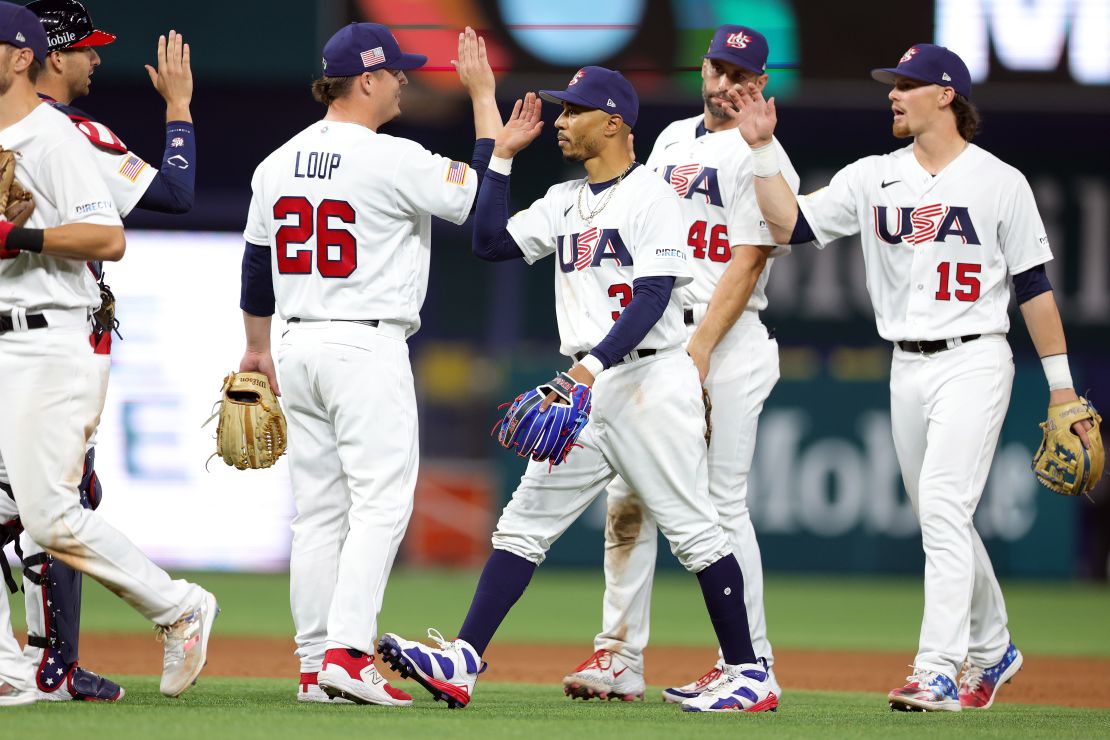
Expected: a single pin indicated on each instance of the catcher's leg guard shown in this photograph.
(53, 602)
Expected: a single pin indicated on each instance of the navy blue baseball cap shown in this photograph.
(21, 28)
(365, 47)
(745, 47)
(929, 63)
(600, 88)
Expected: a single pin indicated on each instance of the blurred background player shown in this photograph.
(53, 589)
(55, 379)
(338, 241)
(737, 361)
(943, 224)
(617, 234)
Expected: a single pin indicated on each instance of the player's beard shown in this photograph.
(901, 129)
(586, 149)
(713, 105)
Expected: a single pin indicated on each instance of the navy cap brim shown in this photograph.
(562, 96)
(731, 60)
(408, 61)
(890, 75)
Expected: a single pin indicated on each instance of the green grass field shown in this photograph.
(564, 607)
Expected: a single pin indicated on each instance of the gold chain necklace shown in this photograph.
(589, 218)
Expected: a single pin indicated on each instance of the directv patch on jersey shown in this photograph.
(132, 167)
(456, 173)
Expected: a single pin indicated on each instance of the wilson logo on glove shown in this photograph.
(251, 431)
(549, 434)
(1062, 464)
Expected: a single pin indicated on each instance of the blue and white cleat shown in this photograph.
(926, 691)
(448, 672)
(739, 688)
(979, 685)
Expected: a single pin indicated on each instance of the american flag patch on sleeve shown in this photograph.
(132, 167)
(456, 173)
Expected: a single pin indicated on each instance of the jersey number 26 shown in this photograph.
(316, 221)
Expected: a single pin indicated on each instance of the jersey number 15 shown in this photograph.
(316, 221)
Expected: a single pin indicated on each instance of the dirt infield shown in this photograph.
(1064, 681)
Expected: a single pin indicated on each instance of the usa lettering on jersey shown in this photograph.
(931, 223)
(590, 247)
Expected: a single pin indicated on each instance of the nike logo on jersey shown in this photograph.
(689, 180)
(588, 248)
(888, 184)
(931, 223)
(567, 211)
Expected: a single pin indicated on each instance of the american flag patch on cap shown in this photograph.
(372, 57)
(456, 173)
(132, 167)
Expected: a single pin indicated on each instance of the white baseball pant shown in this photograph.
(646, 426)
(53, 391)
(350, 401)
(742, 371)
(946, 412)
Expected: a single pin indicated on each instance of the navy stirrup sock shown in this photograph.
(722, 587)
(503, 581)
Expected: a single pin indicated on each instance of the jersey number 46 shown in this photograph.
(329, 240)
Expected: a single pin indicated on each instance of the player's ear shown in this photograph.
(761, 81)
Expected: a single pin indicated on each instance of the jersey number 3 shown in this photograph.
(329, 240)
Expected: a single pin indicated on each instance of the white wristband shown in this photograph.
(765, 161)
(592, 364)
(1057, 371)
(501, 165)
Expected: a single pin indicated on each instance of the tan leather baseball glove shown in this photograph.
(251, 431)
(16, 203)
(1062, 464)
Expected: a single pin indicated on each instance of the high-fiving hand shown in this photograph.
(757, 116)
(522, 128)
(473, 65)
(173, 79)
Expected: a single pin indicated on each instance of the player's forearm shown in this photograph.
(1042, 319)
(178, 111)
(173, 188)
(487, 118)
(731, 295)
(84, 242)
(257, 329)
(779, 206)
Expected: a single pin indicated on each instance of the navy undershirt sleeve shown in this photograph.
(802, 232)
(492, 242)
(479, 162)
(650, 296)
(172, 190)
(256, 294)
(1031, 283)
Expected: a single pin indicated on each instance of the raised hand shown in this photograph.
(757, 117)
(473, 66)
(173, 79)
(522, 128)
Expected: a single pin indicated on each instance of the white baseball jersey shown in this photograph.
(347, 214)
(55, 164)
(938, 250)
(125, 173)
(639, 233)
(712, 175)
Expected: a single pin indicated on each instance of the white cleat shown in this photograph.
(10, 696)
(448, 673)
(186, 646)
(310, 691)
(351, 675)
(740, 688)
(605, 676)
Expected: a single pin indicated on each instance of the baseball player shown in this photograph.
(943, 224)
(339, 242)
(54, 379)
(737, 361)
(619, 242)
(53, 631)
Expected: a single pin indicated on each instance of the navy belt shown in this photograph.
(636, 354)
(688, 316)
(368, 322)
(933, 346)
(34, 321)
